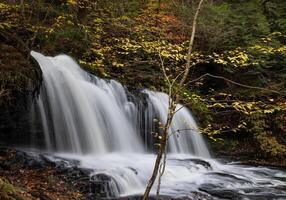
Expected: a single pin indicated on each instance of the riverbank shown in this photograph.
(24, 177)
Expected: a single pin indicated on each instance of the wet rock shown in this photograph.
(103, 186)
(201, 162)
(221, 192)
(21, 159)
(196, 161)
(266, 196)
(4, 166)
(40, 195)
(230, 177)
(164, 197)
(101, 177)
(46, 160)
(62, 166)
(78, 177)
(134, 170)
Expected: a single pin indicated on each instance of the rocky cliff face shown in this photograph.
(18, 80)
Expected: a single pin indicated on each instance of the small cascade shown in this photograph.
(84, 114)
(185, 137)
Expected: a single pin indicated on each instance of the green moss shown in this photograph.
(7, 190)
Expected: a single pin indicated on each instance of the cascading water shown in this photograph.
(86, 114)
(91, 115)
(95, 122)
(184, 131)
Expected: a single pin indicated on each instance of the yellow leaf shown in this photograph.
(72, 2)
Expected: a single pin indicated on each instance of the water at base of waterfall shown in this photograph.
(109, 132)
(185, 177)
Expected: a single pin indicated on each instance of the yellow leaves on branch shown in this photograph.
(166, 50)
(72, 2)
(250, 108)
(116, 64)
(268, 45)
(252, 114)
(238, 58)
(9, 15)
(62, 20)
(270, 145)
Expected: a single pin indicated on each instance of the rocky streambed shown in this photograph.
(35, 175)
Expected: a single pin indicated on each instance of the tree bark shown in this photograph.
(161, 151)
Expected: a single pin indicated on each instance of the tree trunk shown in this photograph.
(171, 110)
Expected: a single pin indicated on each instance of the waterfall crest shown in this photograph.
(83, 114)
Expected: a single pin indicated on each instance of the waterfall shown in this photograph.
(86, 115)
(108, 131)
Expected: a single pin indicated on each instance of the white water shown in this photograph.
(95, 122)
(84, 117)
(185, 176)
(94, 116)
(184, 130)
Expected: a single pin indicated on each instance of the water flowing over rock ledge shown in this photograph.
(83, 114)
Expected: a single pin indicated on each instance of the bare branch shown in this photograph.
(166, 77)
(188, 65)
(175, 79)
(236, 83)
(164, 70)
(181, 131)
